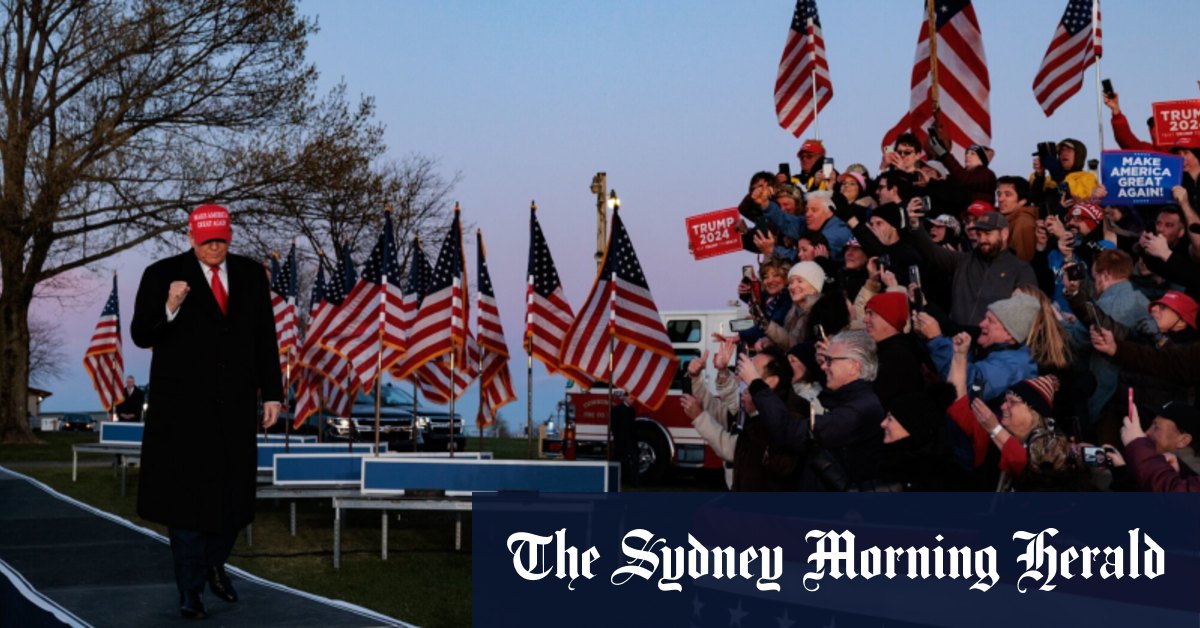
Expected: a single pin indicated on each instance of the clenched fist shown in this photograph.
(176, 294)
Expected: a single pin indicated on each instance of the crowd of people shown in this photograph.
(935, 326)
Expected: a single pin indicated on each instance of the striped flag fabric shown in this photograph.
(803, 62)
(963, 85)
(621, 308)
(103, 361)
(434, 376)
(1074, 47)
(326, 379)
(495, 380)
(283, 303)
(440, 323)
(548, 316)
(367, 329)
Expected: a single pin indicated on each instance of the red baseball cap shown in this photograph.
(210, 222)
(1089, 212)
(979, 208)
(1181, 304)
(812, 146)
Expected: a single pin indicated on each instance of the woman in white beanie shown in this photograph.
(804, 283)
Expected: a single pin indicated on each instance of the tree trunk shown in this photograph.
(14, 368)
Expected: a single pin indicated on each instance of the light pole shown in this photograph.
(599, 185)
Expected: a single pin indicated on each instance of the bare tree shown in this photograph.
(341, 186)
(120, 116)
(47, 360)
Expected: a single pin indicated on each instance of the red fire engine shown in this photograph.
(665, 437)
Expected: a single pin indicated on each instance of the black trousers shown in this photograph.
(195, 552)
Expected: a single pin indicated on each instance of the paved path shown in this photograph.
(63, 562)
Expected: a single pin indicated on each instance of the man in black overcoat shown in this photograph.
(207, 317)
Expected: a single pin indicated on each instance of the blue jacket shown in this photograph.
(1125, 305)
(775, 308)
(995, 373)
(835, 230)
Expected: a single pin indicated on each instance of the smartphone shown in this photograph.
(1097, 316)
(1094, 456)
(1074, 272)
(827, 167)
(1130, 410)
(821, 333)
(927, 203)
(785, 169)
(686, 384)
(747, 273)
(918, 299)
(914, 275)
(1106, 85)
(889, 148)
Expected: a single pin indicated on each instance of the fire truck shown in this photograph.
(665, 437)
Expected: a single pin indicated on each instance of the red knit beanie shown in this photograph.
(892, 307)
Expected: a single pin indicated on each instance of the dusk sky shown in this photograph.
(528, 100)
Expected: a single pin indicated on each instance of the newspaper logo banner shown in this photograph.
(1177, 122)
(1139, 177)
(712, 233)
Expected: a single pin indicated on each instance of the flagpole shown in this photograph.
(612, 341)
(813, 50)
(287, 425)
(529, 349)
(931, 19)
(478, 354)
(453, 372)
(1099, 90)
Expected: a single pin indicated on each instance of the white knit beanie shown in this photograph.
(811, 272)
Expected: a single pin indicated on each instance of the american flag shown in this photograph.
(495, 381)
(283, 302)
(1075, 46)
(433, 377)
(440, 324)
(367, 328)
(103, 359)
(963, 84)
(803, 62)
(620, 304)
(326, 379)
(548, 316)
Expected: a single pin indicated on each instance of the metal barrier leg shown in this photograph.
(337, 536)
(250, 535)
(123, 472)
(383, 544)
(74, 465)
(292, 508)
(458, 532)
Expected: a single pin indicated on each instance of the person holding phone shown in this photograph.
(812, 161)
(1115, 299)
(1122, 132)
(773, 301)
(1153, 469)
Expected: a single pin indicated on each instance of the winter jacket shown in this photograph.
(901, 367)
(835, 230)
(977, 282)
(774, 308)
(994, 374)
(1022, 230)
(902, 255)
(1127, 140)
(980, 181)
(792, 331)
(1126, 306)
(1153, 472)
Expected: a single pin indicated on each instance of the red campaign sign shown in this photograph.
(1177, 121)
(712, 233)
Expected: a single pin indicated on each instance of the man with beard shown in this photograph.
(988, 273)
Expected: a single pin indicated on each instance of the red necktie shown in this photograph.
(218, 288)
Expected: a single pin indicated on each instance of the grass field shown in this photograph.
(424, 581)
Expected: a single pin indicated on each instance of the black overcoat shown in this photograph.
(207, 371)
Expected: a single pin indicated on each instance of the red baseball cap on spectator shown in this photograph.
(210, 222)
(1181, 304)
(812, 146)
(979, 208)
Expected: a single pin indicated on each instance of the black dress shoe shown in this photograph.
(220, 585)
(191, 605)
